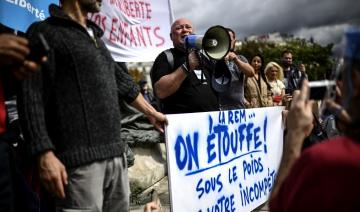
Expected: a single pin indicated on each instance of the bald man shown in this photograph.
(181, 87)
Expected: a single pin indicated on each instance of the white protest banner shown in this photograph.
(223, 161)
(135, 30)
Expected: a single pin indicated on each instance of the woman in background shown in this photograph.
(257, 89)
(274, 74)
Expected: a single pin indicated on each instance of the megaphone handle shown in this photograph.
(187, 62)
(201, 62)
(201, 66)
(187, 58)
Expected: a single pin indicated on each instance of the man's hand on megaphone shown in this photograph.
(230, 56)
(193, 60)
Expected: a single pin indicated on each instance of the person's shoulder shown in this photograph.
(165, 55)
(339, 150)
(170, 50)
(332, 164)
(36, 27)
(164, 61)
(175, 52)
(43, 25)
(280, 83)
(166, 51)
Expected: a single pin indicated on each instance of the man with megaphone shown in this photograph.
(180, 79)
(229, 69)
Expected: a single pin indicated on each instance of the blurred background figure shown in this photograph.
(274, 75)
(238, 69)
(148, 93)
(293, 75)
(257, 89)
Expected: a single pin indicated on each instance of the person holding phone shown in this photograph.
(324, 177)
(14, 66)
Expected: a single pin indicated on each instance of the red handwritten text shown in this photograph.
(139, 35)
(134, 8)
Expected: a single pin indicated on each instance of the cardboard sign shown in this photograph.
(224, 160)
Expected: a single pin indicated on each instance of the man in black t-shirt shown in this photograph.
(181, 87)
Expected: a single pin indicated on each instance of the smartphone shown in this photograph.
(39, 48)
(322, 89)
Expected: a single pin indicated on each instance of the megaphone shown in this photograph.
(215, 42)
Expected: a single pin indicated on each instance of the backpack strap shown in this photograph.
(170, 58)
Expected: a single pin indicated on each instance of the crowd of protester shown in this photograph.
(310, 126)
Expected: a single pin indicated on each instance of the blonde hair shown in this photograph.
(280, 75)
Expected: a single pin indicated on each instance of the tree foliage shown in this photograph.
(317, 58)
